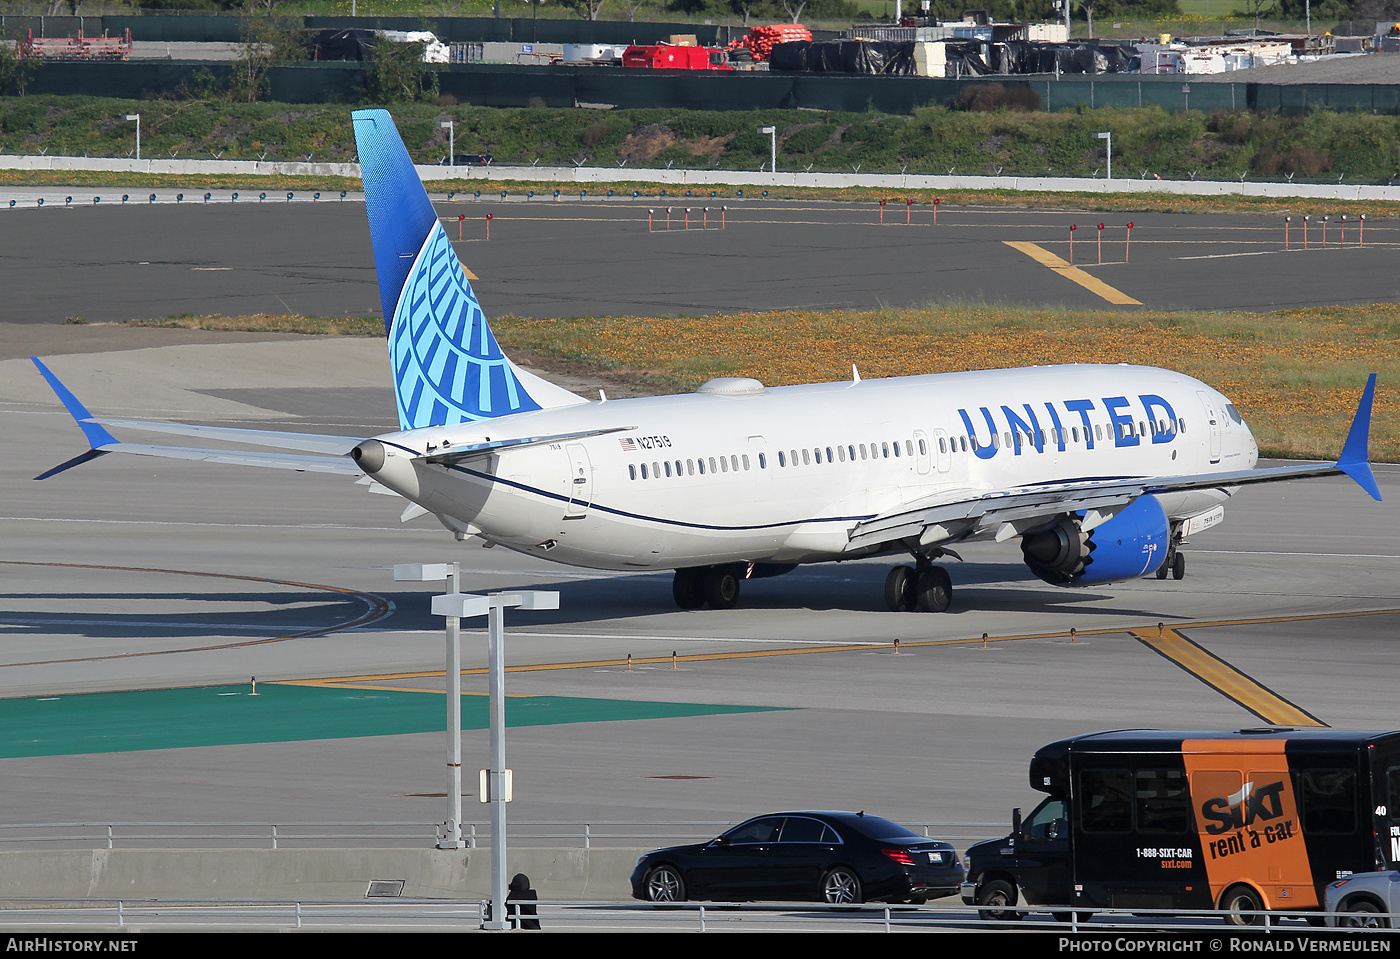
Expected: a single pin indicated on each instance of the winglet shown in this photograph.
(1355, 460)
(97, 435)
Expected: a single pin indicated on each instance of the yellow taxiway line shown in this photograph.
(1072, 273)
(1226, 679)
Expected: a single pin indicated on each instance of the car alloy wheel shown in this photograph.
(664, 884)
(841, 886)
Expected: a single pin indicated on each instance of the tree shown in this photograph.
(396, 74)
(266, 43)
(589, 8)
(15, 71)
(793, 8)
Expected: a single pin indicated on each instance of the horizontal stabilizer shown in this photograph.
(459, 453)
(309, 442)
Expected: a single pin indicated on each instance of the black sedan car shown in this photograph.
(836, 857)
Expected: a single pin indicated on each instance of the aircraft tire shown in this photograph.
(722, 587)
(688, 588)
(899, 590)
(1179, 566)
(1164, 569)
(933, 589)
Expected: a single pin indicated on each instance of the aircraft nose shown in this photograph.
(369, 455)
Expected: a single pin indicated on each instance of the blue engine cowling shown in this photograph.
(1132, 544)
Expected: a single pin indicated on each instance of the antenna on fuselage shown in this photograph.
(855, 374)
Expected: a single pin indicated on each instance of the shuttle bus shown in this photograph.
(1247, 821)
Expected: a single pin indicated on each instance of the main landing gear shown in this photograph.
(716, 585)
(925, 587)
(1175, 563)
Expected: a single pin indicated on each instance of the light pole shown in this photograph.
(137, 118)
(1109, 137)
(773, 144)
(496, 779)
(451, 141)
(450, 836)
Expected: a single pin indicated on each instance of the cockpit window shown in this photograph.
(1234, 414)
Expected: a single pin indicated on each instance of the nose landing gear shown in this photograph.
(926, 588)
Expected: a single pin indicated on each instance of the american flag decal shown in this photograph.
(628, 445)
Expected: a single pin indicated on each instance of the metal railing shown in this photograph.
(602, 915)
(606, 833)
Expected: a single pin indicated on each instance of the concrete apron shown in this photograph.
(304, 874)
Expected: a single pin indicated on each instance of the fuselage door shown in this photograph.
(1213, 424)
(942, 449)
(580, 481)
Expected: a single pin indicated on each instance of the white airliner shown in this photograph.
(1099, 472)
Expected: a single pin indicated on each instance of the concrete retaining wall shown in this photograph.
(586, 176)
(305, 874)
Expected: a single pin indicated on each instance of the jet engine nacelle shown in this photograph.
(1131, 544)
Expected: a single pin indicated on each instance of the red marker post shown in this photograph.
(1361, 231)
(1306, 218)
(1100, 242)
(908, 212)
(882, 212)
(935, 211)
(1324, 231)
(687, 218)
(1072, 228)
(1343, 228)
(649, 213)
(1128, 242)
(1285, 231)
(488, 226)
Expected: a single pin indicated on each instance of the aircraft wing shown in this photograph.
(101, 441)
(956, 514)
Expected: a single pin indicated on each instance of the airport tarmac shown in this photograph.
(126, 575)
(115, 262)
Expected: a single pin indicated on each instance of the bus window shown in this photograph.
(1106, 805)
(1163, 801)
(1328, 798)
(1047, 822)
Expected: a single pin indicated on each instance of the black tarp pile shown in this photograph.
(354, 44)
(885, 57)
(1011, 57)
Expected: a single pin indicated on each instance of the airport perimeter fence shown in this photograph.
(566, 86)
(201, 27)
(332, 835)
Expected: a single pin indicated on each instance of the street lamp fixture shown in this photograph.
(455, 606)
(451, 141)
(137, 117)
(773, 145)
(1109, 137)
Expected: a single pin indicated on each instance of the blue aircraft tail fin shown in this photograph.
(1355, 460)
(447, 366)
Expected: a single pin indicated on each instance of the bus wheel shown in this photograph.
(1362, 914)
(999, 895)
(1242, 899)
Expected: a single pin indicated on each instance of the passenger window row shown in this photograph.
(849, 453)
(1015, 438)
(733, 463)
